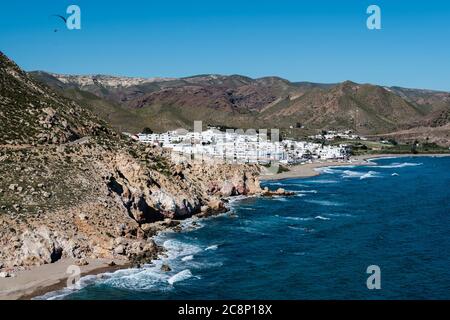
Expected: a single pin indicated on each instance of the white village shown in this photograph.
(243, 146)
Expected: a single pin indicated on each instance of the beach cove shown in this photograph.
(197, 256)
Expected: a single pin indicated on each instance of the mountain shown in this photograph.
(238, 101)
(31, 115)
(72, 187)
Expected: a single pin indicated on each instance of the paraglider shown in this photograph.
(61, 17)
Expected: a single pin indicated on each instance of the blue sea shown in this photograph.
(317, 244)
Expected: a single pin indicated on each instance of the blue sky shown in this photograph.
(320, 40)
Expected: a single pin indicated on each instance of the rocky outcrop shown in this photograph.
(279, 192)
(122, 202)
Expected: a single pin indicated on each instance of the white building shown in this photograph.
(242, 147)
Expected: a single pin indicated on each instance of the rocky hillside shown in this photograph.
(72, 187)
(238, 101)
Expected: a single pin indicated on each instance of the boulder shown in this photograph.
(120, 249)
(119, 241)
(216, 204)
(165, 268)
(81, 262)
(227, 189)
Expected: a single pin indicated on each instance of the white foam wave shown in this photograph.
(321, 218)
(213, 247)
(339, 215)
(333, 169)
(399, 165)
(324, 202)
(298, 218)
(328, 170)
(177, 248)
(180, 276)
(283, 199)
(60, 294)
(370, 174)
(306, 191)
(187, 258)
(360, 175)
(146, 279)
(247, 208)
(322, 181)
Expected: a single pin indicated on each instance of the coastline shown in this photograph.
(42, 279)
(45, 278)
(308, 170)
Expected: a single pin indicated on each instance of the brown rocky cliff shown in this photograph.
(107, 203)
(70, 186)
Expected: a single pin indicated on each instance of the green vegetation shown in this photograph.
(147, 130)
(394, 147)
(282, 169)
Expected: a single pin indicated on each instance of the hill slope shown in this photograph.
(238, 101)
(71, 187)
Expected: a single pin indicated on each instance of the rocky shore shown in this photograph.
(75, 192)
(73, 189)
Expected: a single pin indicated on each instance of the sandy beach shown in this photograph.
(307, 170)
(50, 277)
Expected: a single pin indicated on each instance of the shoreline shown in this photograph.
(43, 279)
(308, 170)
(40, 280)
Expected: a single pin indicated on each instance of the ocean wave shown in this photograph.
(328, 170)
(188, 258)
(399, 165)
(192, 224)
(145, 279)
(339, 215)
(62, 293)
(213, 247)
(150, 277)
(360, 175)
(321, 218)
(283, 199)
(322, 181)
(275, 183)
(177, 248)
(333, 169)
(180, 276)
(306, 191)
(298, 218)
(285, 184)
(325, 203)
(247, 208)
(301, 228)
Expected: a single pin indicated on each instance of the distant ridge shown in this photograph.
(244, 102)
